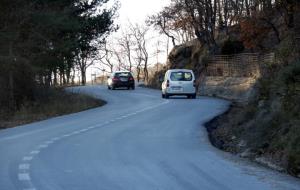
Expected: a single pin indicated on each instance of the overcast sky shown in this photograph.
(137, 10)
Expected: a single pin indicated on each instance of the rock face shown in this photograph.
(190, 55)
(180, 57)
(267, 129)
(238, 89)
(194, 56)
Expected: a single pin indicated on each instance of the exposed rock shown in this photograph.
(268, 162)
(248, 153)
(270, 125)
(239, 89)
(261, 104)
(242, 144)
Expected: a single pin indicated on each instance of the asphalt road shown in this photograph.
(137, 141)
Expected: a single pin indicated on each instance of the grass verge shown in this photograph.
(53, 102)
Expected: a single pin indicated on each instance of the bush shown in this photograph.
(286, 49)
(269, 126)
(291, 74)
(17, 84)
(50, 102)
(294, 155)
(232, 47)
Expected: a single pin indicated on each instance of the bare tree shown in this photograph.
(173, 21)
(161, 20)
(139, 33)
(105, 57)
(120, 59)
(126, 43)
(83, 61)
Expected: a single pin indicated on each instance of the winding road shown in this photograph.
(137, 141)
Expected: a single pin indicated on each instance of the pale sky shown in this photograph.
(138, 10)
(135, 11)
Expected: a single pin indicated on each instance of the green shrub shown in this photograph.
(286, 49)
(291, 74)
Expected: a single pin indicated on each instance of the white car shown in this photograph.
(179, 82)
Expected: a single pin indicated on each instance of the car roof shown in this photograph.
(176, 70)
(122, 72)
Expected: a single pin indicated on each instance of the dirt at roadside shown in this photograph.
(242, 131)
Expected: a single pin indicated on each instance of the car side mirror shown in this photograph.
(161, 79)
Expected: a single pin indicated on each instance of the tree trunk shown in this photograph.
(11, 91)
(11, 79)
(68, 73)
(73, 77)
(83, 76)
(64, 78)
(146, 73)
(138, 72)
(247, 8)
(55, 77)
(60, 79)
(48, 79)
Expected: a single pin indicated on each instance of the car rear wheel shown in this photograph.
(133, 87)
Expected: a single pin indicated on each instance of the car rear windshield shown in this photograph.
(181, 76)
(124, 74)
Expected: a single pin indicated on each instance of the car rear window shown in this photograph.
(124, 74)
(181, 76)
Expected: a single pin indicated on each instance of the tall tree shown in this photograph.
(105, 57)
(126, 43)
(42, 40)
(96, 25)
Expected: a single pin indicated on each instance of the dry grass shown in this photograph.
(268, 128)
(57, 102)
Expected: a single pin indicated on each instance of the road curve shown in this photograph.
(137, 141)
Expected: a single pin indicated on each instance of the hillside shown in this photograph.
(263, 121)
(267, 129)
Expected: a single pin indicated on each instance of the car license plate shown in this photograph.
(124, 79)
(177, 88)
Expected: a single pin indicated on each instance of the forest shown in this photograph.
(205, 20)
(43, 42)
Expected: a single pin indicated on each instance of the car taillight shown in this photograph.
(194, 83)
(168, 83)
(115, 79)
(131, 78)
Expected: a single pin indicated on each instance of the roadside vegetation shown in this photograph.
(51, 102)
(46, 44)
(266, 127)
